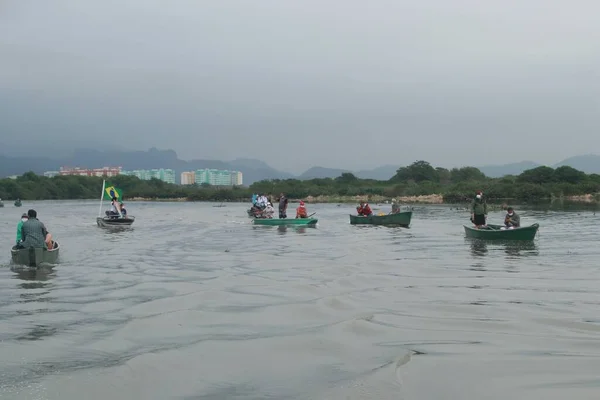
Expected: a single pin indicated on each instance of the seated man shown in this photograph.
(123, 210)
(114, 211)
(269, 211)
(512, 219)
(364, 210)
(24, 218)
(34, 233)
(301, 211)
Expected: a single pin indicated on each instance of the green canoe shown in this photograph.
(33, 257)
(285, 221)
(398, 219)
(493, 232)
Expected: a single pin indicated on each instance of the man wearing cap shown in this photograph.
(20, 225)
(479, 210)
(34, 233)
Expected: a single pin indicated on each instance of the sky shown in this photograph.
(298, 83)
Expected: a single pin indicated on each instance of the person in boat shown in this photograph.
(283, 204)
(24, 218)
(395, 206)
(261, 202)
(301, 210)
(34, 233)
(123, 210)
(269, 211)
(114, 211)
(363, 209)
(479, 210)
(254, 198)
(512, 219)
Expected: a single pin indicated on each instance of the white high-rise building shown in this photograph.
(188, 178)
(236, 178)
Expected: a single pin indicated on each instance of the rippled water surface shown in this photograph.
(194, 302)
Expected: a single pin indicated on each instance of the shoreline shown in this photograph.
(374, 199)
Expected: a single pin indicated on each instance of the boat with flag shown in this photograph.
(117, 215)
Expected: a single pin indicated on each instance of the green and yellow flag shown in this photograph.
(110, 191)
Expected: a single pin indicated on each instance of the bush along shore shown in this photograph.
(417, 183)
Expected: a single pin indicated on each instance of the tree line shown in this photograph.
(420, 178)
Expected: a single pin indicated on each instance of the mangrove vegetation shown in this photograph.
(418, 179)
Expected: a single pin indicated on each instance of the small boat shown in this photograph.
(33, 257)
(118, 220)
(494, 232)
(399, 219)
(111, 221)
(285, 221)
(18, 203)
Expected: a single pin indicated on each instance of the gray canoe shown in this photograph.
(33, 257)
(111, 222)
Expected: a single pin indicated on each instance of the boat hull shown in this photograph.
(34, 257)
(285, 221)
(493, 232)
(105, 222)
(399, 219)
(17, 204)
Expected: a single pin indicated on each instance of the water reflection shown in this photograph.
(520, 249)
(478, 248)
(35, 275)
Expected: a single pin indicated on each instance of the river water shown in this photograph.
(194, 302)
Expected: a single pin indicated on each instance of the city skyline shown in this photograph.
(209, 176)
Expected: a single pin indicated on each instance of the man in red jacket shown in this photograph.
(364, 210)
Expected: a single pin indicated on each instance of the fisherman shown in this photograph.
(283, 204)
(479, 210)
(24, 218)
(34, 233)
(301, 211)
(363, 209)
(512, 219)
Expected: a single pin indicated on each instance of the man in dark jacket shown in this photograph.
(34, 233)
(479, 210)
(283, 204)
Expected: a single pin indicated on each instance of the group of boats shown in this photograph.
(17, 203)
(35, 257)
(403, 219)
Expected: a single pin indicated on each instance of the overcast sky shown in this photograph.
(297, 83)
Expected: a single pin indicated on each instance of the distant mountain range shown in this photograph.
(253, 170)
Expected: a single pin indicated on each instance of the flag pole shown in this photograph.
(101, 197)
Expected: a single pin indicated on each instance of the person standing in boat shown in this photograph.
(301, 211)
(254, 198)
(512, 219)
(479, 210)
(363, 209)
(395, 207)
(34, 233)
(24, 218)
(283, 204)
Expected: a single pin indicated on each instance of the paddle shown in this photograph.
(311, 214)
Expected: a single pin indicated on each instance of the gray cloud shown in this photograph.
(301, 83)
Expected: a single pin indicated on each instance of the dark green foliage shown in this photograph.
(420, 178)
